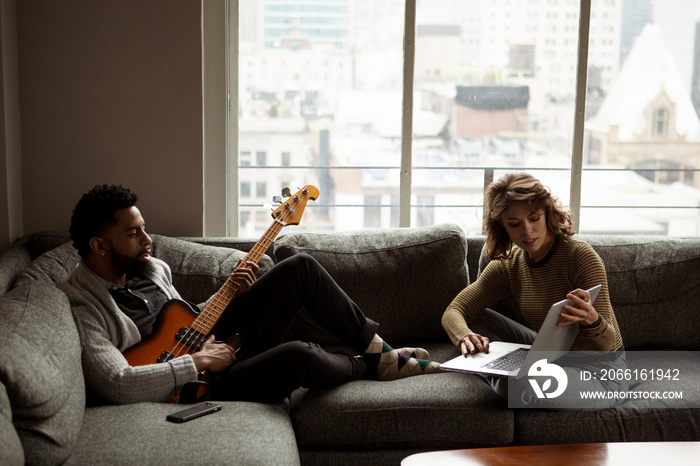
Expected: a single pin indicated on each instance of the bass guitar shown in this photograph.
(181, 329)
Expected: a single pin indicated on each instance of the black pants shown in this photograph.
(268, 369)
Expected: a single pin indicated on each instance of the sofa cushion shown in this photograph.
(241, 433)
(654, 289)
(437, 411)
(13, 261)
(665, 408)
(43, 241)
(53, 266)
(41, 370)
(402, 278)
(11, 452)
(199, 270)
(536, 427)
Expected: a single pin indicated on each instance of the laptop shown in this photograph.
(505, 359)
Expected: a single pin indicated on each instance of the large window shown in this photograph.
(401, 111)
(319, 87)
(494, 91)
(642, 145)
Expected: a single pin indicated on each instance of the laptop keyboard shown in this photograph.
(510, 361)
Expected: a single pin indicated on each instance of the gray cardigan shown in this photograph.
(105, 332)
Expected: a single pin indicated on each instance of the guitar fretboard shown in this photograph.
(210, 315)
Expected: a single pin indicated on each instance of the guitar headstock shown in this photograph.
(291, 210)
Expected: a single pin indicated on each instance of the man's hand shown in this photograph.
(474, 343)
(245, 275)
(214, 357)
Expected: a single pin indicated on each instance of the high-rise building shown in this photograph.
(317, 21)
(635, 14)
(501, 41)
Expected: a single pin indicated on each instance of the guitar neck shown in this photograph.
(287, 214)
(210, 315)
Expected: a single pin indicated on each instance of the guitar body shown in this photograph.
(175, 319)
(175, 315)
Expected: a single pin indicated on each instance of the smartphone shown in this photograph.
(194, 412)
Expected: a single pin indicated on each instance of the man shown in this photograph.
(118, 290)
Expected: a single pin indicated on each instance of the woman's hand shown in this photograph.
(245, 275)
(582, 313)
(474, 343)
(214, 357)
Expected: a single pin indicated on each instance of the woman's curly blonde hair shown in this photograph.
(520, 187)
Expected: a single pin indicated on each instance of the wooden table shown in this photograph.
(584, 454)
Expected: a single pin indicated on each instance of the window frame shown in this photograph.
(220, 87)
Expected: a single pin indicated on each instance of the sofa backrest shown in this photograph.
(199, 270)
(654, 287)
(402, 278)
(654, 281)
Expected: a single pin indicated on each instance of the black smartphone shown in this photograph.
(194, 412)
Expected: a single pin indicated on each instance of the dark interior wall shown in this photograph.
(111, 92)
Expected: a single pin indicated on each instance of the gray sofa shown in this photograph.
(404, 279)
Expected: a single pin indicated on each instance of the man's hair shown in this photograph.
(95, 212)
(520, 187)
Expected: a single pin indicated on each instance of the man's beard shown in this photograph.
(131, 266)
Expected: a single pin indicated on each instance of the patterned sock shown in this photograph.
(378, 345)
(418, 353)
(391, 364)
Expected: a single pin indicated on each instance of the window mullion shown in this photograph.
(580, 112)
(409, 55)
(232, 80)
(214, 129)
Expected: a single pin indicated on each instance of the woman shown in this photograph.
(536, 260)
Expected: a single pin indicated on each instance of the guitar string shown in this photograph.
(224, 295)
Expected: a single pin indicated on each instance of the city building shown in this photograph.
(647, 121)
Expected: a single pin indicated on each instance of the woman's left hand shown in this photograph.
(582, 312)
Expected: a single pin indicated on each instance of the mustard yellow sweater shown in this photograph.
(536, 286)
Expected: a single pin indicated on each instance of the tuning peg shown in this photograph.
(286, 192)
(277, 199)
